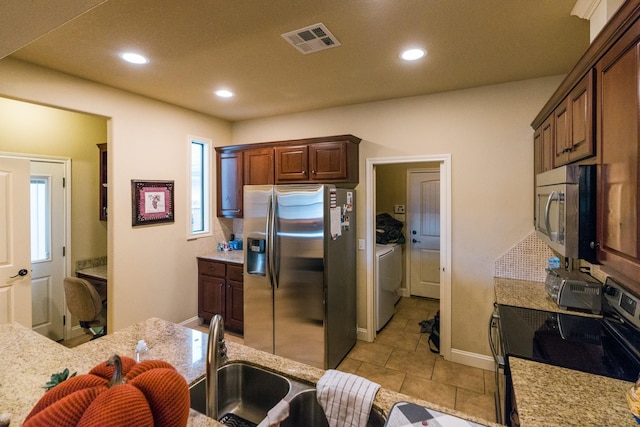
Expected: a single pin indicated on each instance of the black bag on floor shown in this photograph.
(434, 337)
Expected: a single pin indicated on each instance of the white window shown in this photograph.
(40, 218)
(200, 166)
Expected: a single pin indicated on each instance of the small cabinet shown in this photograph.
(229, 179)
(220, 291)
(234, 299)
(329, 161)
(543, 146)
(102, 190)
(574, 117)
(258, 166)
(292, 163)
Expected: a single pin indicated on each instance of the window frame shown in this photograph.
(205, 203)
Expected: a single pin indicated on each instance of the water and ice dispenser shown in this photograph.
(256, 256)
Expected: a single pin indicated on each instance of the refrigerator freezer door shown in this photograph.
(258, 293)
(340, 282)
(299, 271)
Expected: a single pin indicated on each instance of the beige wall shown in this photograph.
(152, 270)
(487, 132)
(34, 129)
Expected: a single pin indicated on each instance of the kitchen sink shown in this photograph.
(244, 391)
(304, 410)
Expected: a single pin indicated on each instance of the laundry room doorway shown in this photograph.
(441, 163)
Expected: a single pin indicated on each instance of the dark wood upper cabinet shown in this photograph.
(292, 164)
(258, 166)
(229, 178)
(582, 113)
(618, 115)
(573, 135)
(327, 160)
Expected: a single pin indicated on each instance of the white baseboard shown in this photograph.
(363, 335)
(403, 292)
(472, 359)
(191, 323)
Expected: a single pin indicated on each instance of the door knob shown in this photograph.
(413, 232)
(22, 272)
(416, 241)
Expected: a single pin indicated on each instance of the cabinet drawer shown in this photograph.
(234, 272)
(211, 268)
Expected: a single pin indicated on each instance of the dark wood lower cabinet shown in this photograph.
(220, 291)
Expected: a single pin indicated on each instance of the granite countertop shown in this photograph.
(28, 360)
(548, 395)
(99, 272)
(226, 256)
(522, 293)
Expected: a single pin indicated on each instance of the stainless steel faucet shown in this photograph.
(216, 357)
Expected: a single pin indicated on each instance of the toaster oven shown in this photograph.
(574, 290)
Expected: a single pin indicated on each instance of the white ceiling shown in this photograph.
(197, 46)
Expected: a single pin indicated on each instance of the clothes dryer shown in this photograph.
(388, 279)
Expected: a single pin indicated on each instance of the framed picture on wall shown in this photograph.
(152, 202)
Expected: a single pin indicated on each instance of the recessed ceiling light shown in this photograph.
(224, 93)
(412, 54)
(134, 58)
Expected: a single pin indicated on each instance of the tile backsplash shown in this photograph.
(526, 260)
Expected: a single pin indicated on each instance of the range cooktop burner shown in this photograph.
(570, 341)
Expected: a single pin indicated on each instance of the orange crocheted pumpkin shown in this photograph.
(150, 393)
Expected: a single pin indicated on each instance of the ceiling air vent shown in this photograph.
(311, 39)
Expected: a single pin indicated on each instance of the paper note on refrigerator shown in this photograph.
(336, 229)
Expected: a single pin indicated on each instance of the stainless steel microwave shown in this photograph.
(565, 215)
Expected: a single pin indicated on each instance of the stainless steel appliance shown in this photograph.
(565, 216)
(300, 272)
(574, 289)
(497, 351)
(608, 346)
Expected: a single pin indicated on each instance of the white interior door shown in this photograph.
(424, 233)
(15, 289)
(47, 248)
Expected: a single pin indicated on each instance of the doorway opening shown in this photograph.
(441, 163)
(49, 192)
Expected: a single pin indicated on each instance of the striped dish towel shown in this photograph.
(346, 398)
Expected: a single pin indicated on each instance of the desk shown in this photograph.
(98, 278)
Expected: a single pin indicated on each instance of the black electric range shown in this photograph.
(607, 346)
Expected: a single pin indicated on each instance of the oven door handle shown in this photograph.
(494, 322)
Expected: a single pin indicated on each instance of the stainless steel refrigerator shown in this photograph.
(300, 271)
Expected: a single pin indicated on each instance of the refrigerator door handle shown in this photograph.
(275, 246)
(269, 236)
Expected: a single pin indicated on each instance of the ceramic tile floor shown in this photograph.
(399, 359)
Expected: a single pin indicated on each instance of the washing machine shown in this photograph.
(388, 279)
